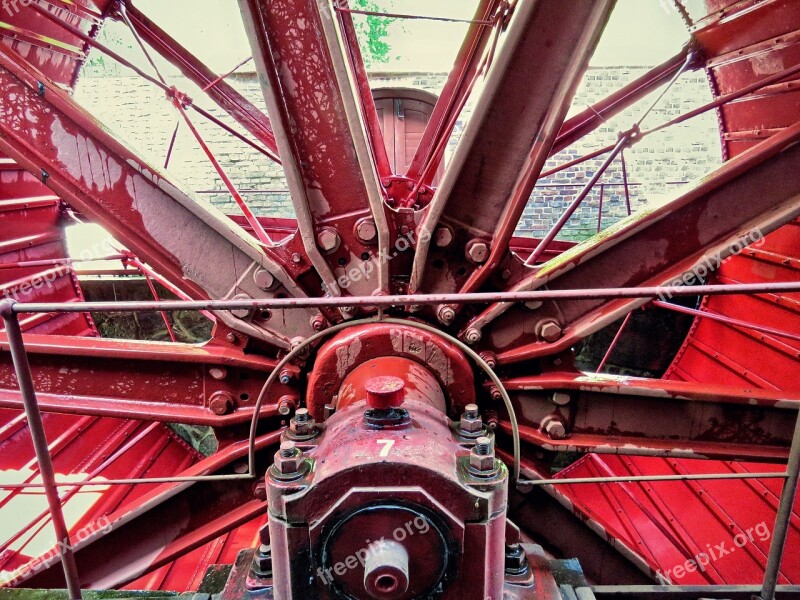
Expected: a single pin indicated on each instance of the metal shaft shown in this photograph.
(782, 518)
(43, 458)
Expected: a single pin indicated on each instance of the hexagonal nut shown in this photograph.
(366, 230)
(302, 428)
(328, 240)
(549, 331)
(442, 237)
(220, 403)
(477, 251)
(554, 427)
(286, 465)
(263, 279)
(481, 462)
(471, 424)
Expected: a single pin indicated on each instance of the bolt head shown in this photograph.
(241, 313)
(442, 237)
(318, 322)
(218, 373)
(220, 403)
(560, 398)
(550, 331)
(472, 336)
(287, 465)
(554, 427)
(471, 411)
(366, 231)
(263, 279)
(446, 315)
(477, 251)
(481, 462)
(328, 240)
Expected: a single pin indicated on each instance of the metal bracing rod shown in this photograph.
(258, 229)
(146, 76)
(781, 529)
(372, 13)
(39, 439)
(719, 101)
(227, 74)
(624, 140)
(724, 319)
(410, 299)
(613, 344)
(123, 11)
(645, 478)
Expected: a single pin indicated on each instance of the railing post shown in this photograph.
(781, 528)
(43, 458)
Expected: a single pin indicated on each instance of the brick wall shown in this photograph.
(141, 114)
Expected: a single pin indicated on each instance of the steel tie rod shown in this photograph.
(781, 529)
(39, 438)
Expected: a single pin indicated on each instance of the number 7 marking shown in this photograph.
(387, 445)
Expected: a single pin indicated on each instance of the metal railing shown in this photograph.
(10, 310)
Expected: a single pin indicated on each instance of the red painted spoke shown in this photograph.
(457, 88)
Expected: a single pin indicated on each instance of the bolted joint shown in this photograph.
(302, 426)
(446, 314)
(549, 331)
(220, 403)
(471, 422)
(516, 562)
(318, 322)
(490, 358)
(262, 562)
(554, 427)
(289, 459)
(477, 251)
(286, 404)
(481, 458)
(472, 335)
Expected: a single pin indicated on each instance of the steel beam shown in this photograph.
(190, 243)
(744, 199)
(316, 116)
(653, 417)
(178, 383)
(508, 139)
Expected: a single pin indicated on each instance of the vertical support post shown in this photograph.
(43, 458)
(781, 528)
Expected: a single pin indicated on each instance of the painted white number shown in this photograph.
(387, 445)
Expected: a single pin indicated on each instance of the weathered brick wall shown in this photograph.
(143, 116)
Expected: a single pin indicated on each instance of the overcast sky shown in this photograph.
(641, 32)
